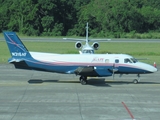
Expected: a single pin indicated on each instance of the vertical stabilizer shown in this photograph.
(87, 33)
(15, 45)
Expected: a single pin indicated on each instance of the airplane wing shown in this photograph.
(78, 39)
(86, 71)
(74, 39)
(99, 40)
(91, 71)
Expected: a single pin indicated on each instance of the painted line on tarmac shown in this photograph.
(129, 112)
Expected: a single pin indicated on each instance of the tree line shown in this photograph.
(68, 17)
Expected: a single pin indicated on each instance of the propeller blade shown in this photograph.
(114, 69)
(113, 74)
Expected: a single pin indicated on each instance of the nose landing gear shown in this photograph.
(135, 81)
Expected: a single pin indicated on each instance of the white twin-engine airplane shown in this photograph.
(86, 49)
(84, 65)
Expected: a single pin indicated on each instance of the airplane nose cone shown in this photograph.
(152, 69)
(148, 68)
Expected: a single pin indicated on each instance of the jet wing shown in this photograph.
(78, 39)
(74, 39)
(98, 40)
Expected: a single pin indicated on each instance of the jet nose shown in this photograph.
(153, 69)
(148, 68)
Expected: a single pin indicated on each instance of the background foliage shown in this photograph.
(107, 18)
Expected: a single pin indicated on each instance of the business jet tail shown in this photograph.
(17, 49)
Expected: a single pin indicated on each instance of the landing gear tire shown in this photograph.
(83, 80)
(135, 81)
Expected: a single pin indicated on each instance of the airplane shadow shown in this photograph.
(99, 82)
(109, 83)
(38, 81)
(93, 82)
(129, 82)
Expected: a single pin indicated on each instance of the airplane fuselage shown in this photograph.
(102, 64)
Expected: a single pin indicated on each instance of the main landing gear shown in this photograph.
(135, 81)
(83, 80)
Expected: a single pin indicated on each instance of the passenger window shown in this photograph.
(116, 61)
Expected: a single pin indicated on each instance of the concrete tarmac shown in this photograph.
(33, 95)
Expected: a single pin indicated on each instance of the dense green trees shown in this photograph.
(113, 18)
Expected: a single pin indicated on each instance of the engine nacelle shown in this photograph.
(95, 45)
(78, 45)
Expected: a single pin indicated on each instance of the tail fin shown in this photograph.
(17, 49)
(87, 34)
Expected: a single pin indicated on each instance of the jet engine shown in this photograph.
(78, 45)
(95, 45)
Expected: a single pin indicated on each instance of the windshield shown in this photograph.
(134, 60)
(130, 60)
(88, 51)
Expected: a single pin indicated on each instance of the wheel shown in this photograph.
(83, 77)
(80, 78)
(83, 82)
(135, 81)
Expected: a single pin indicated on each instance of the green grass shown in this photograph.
(149, 35)
(138, 50)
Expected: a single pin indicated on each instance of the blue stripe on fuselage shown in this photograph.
(131, 70)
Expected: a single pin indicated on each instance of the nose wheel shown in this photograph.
(135, 81)
(83, 80)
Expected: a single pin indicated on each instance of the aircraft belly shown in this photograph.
(130, 70)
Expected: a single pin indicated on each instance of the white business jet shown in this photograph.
(86, 49)
(84, 65)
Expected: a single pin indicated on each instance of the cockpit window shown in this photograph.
(134, 60)
(88, 51)
(127, 60)
(130, 60)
